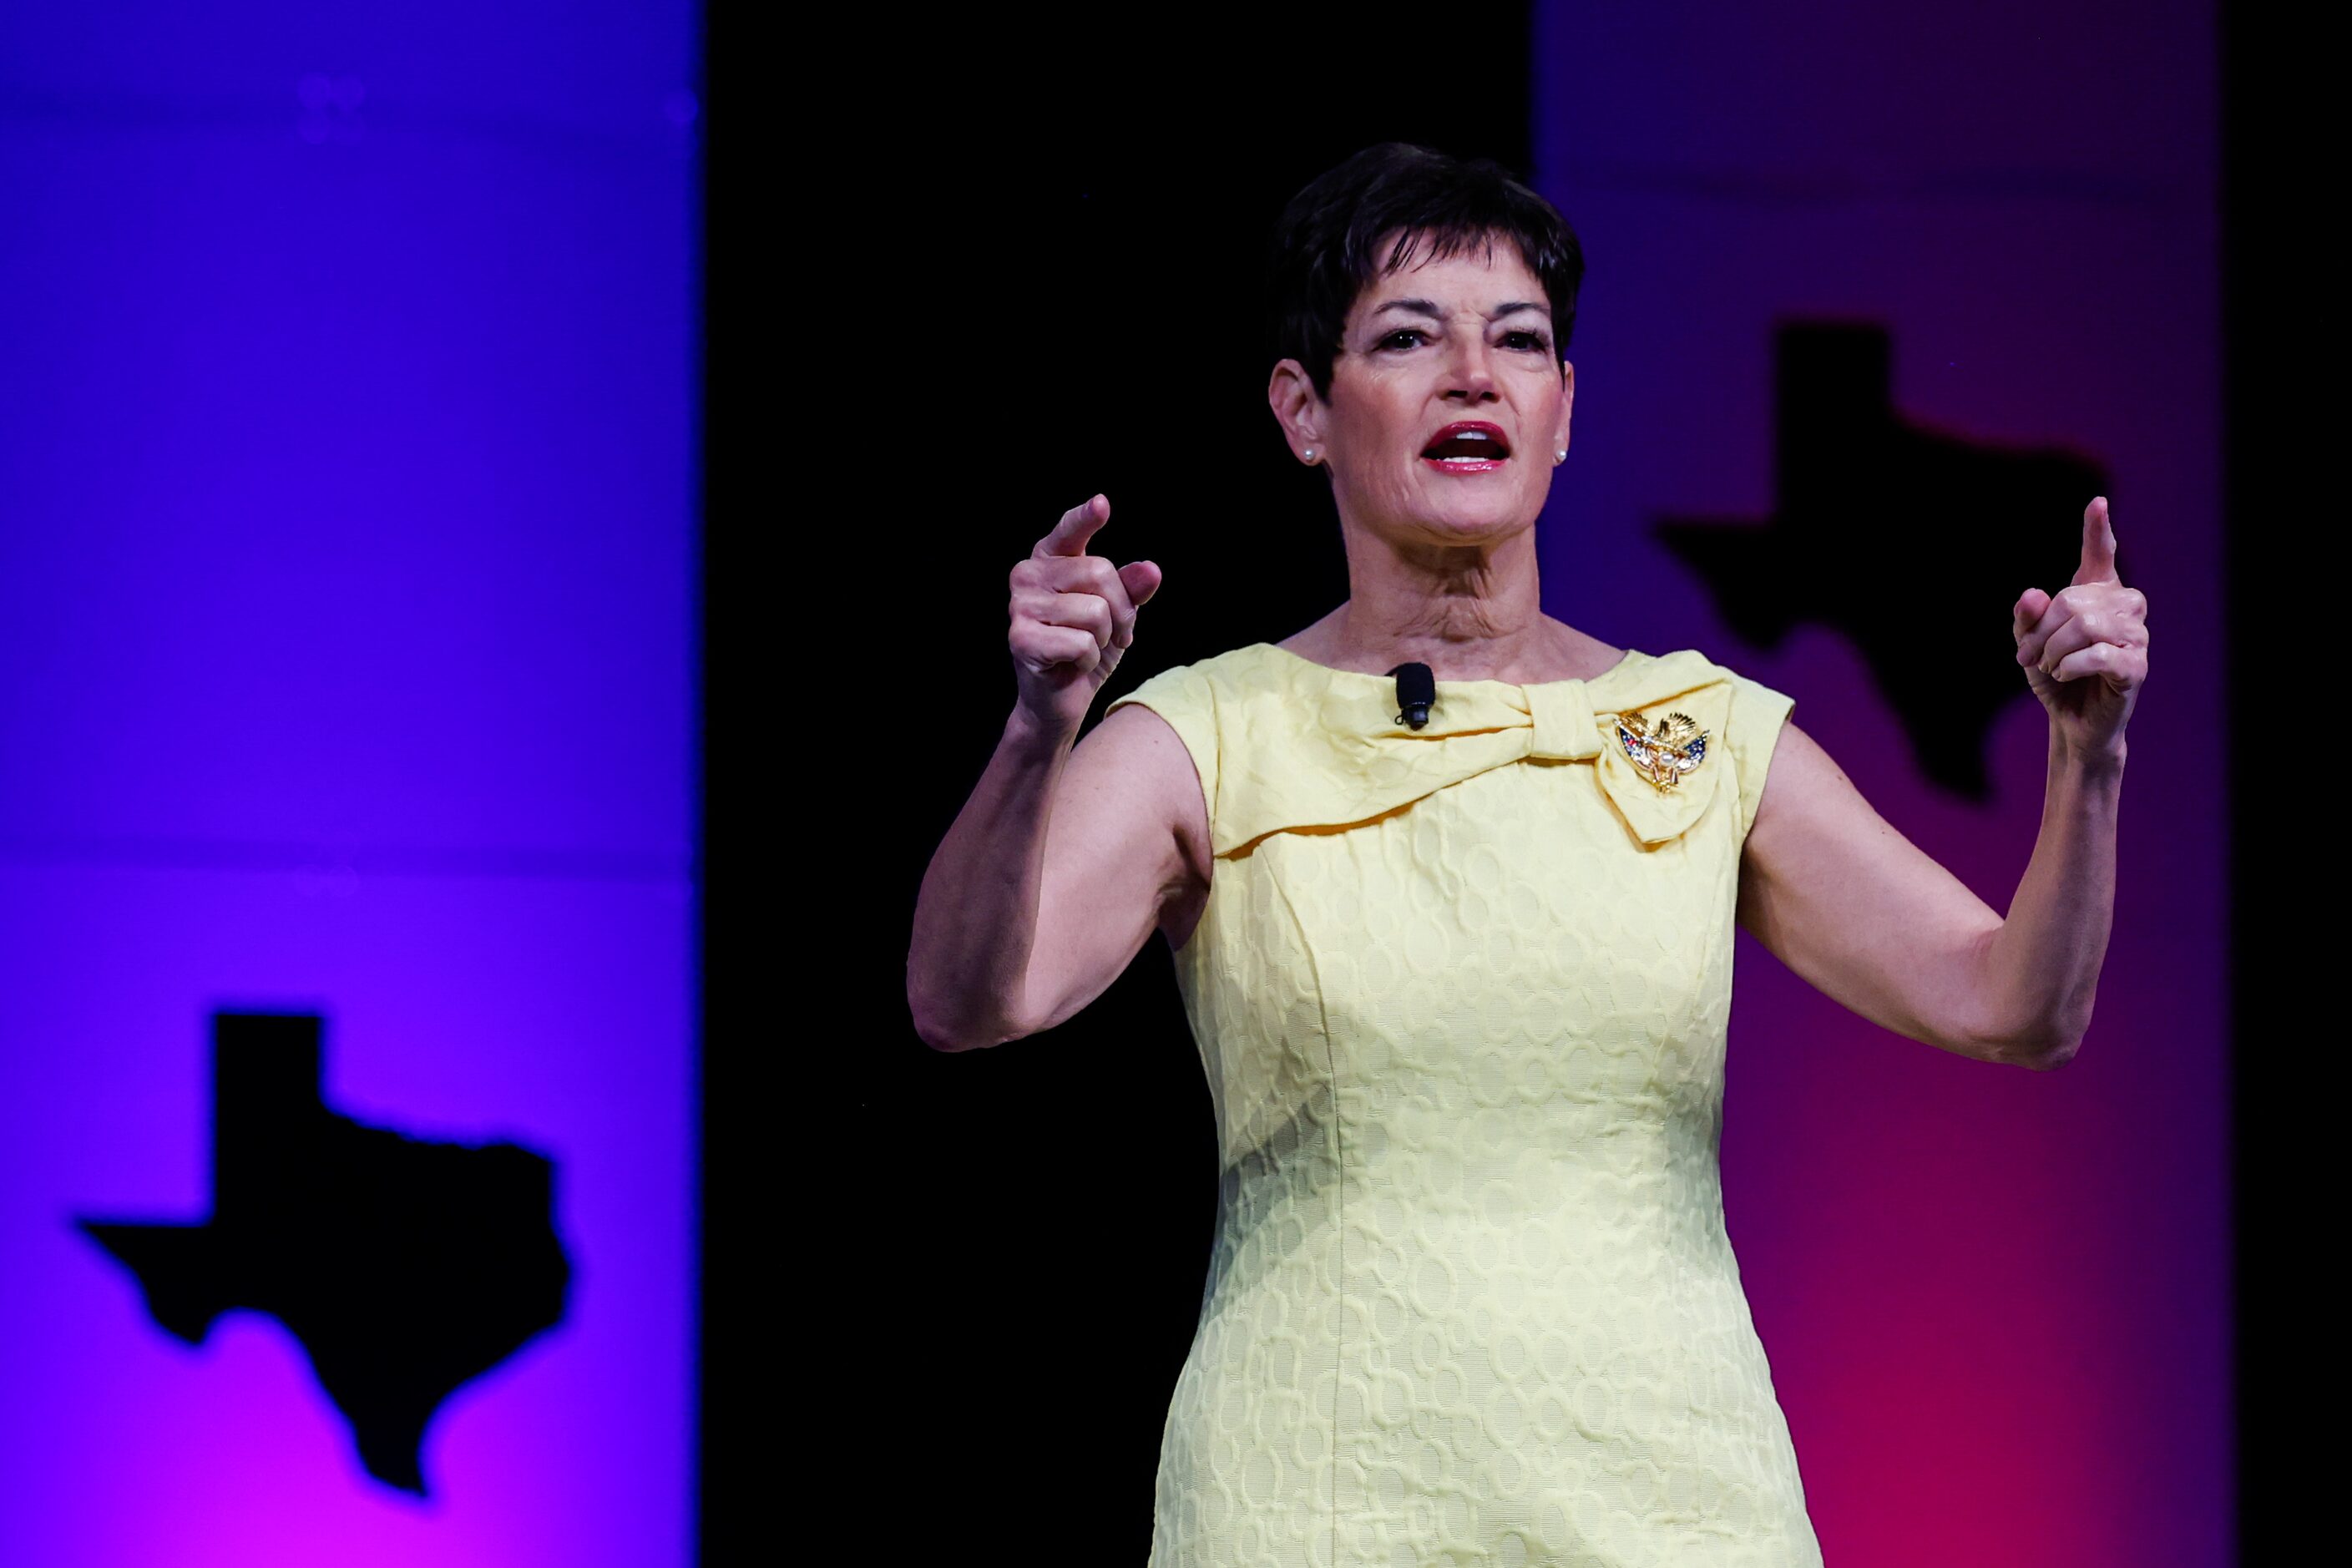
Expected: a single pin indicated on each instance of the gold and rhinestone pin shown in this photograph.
(1665, 752)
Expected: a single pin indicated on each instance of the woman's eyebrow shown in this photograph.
(1428, 308)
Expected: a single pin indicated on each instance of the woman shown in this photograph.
(1461, 980)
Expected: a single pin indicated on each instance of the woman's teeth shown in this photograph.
(1467, 447)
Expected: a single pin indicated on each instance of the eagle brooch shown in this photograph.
(1661, 752)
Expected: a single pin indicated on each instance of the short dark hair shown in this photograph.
(1327, 242)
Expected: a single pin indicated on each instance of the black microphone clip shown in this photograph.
(1416, 689)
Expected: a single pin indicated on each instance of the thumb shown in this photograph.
(1141, 579)
(2098, 544)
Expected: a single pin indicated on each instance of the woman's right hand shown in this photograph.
(1073, 617)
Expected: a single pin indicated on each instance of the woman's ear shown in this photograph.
(1566, 404)
(1298, 410)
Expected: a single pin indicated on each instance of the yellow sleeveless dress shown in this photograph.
(1461, 995)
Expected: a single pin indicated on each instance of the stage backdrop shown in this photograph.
(1877, 294)
(346, 415)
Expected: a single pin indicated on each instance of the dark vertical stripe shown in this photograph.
(992, 267)
(2282, 495)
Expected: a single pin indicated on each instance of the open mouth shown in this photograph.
(1470, 447)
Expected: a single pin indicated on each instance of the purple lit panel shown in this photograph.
(544, 1012)
(1996, 1303)
(348, 481)
(346, 438)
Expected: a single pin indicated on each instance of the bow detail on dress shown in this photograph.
(1372, 765)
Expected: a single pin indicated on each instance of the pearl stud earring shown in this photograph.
(1306, 454)
(1559, 455)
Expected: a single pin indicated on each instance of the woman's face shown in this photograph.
(1448, 402)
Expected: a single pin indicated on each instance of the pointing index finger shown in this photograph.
(2098, 544)
(1077, 525)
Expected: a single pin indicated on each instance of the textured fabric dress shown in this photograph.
(1461, 995)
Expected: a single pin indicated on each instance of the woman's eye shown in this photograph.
(1403, 338)
(1524, 340)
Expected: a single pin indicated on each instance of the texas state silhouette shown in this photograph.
(1913, 542)
(405, 1268)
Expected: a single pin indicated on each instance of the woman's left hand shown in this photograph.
(2084, 648)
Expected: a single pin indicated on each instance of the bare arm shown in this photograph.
(1859, 912)
(1065, 858)
(1863, 914)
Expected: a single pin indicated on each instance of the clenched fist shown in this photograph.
(1073, 617)
(2084, 648)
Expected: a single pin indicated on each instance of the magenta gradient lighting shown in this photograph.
(1996, 1303)
(346, 667)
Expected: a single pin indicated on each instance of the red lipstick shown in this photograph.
(1467, 447)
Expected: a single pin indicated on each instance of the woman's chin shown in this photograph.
(1480, 521)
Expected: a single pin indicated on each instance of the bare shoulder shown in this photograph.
(1136, 756)
(1132, 784)
(1800, 768)
(1837, 894)
(1805, 793)
(1818, 851)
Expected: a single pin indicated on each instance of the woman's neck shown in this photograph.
(1468, 613)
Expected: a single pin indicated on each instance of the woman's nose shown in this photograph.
(1471, 375)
